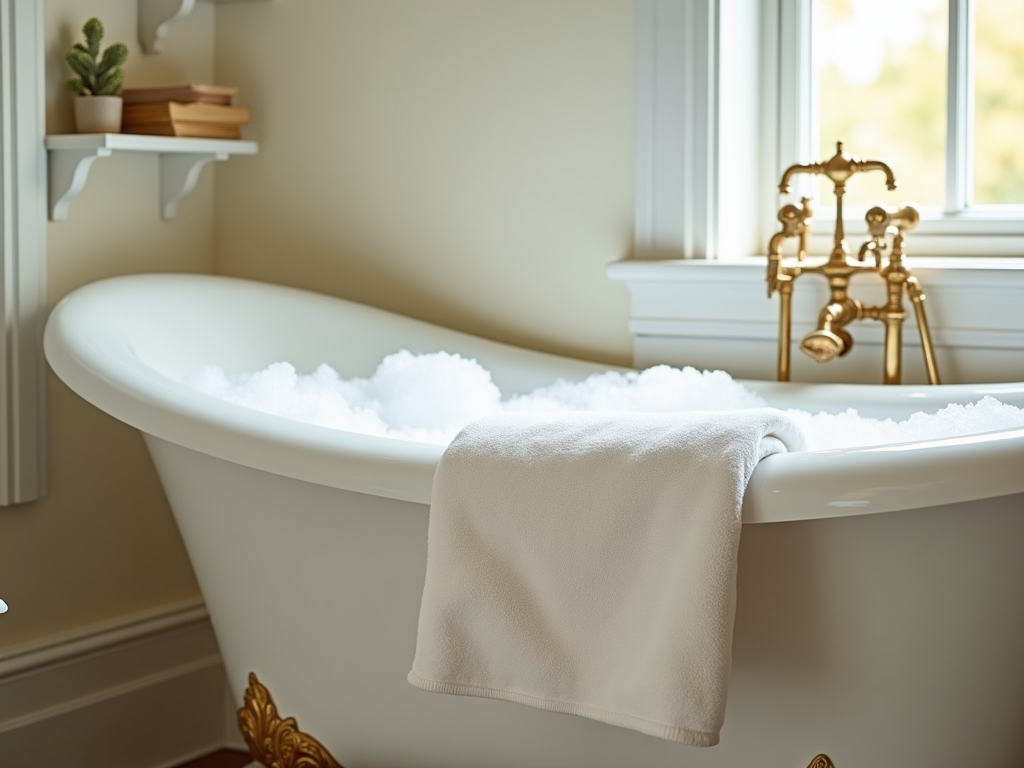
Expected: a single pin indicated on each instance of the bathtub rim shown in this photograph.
(88, 347)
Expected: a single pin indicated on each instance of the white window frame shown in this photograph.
(724, 105)
(958, 228)
(708, 139)
(23, 298)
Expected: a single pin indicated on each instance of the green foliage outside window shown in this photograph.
(999, 102)
(882, 88)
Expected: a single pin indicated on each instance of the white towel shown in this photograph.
(586, 563)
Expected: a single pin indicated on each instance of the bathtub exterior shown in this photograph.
(880, 639)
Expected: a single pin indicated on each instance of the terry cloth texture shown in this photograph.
(586, 563)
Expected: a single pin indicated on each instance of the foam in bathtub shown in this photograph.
(431, 397)
(848, 429)
(661, 388)
(416, 397)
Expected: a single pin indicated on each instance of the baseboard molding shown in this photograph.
(232, 736)
(143, 691)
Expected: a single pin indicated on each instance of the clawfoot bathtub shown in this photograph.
(880, 614)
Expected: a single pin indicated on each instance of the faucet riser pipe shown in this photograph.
(785, 325)
(931, 367)
(893, 345)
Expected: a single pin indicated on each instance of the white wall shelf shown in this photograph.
(156, 16)
(181, 160)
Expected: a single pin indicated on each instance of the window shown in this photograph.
(729, 93)
(725, 101)
(935, 88)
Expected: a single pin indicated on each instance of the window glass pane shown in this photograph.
(880, 71)
(999, 101)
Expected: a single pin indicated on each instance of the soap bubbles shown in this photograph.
(429, 398)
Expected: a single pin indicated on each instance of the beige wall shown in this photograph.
(103, 542)
(466, 162)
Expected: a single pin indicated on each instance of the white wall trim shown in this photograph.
(156, 674)
(23, 251)
(54, 649)
(676, 129)
(767, 330)
(704, 151)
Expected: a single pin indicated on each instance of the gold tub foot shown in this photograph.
(278, 743)
(821, 761)
(274, 742)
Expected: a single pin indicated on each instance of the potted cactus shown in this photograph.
(99, 80)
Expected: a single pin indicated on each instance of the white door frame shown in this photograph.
(23, 299)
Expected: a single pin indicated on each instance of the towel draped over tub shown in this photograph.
(586, 563)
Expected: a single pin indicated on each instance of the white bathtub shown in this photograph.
(880, 639)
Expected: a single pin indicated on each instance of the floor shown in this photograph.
(226, 758)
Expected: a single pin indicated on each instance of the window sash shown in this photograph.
(723, 107)
(960, 108)
(956, 228)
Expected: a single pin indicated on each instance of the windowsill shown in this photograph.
(947, 269)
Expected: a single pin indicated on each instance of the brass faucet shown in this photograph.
(831, 339)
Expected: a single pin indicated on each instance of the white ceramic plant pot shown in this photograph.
(98, 114)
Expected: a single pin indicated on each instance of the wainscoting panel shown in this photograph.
(716, 315)
(141, 691)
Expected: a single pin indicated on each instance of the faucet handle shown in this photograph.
(906, 218)
(792, 218)
(879, 220)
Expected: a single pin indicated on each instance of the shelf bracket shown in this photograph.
(155, 16)
(69, 170)
(179, 173)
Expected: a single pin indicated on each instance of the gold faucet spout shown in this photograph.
(829, 340)
(876, 165)
(793, 170)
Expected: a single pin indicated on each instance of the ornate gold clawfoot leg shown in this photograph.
(274, 742)
(821, 761)
(278, 743)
